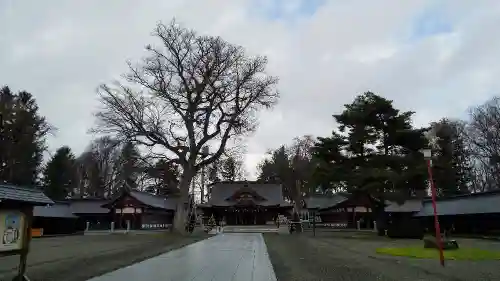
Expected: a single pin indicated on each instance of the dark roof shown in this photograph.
(21, 194)
(88, 206)
(325, 201)
(476, 203)
(156, 201)
(58, 210)
(408, 206)
(271, 192)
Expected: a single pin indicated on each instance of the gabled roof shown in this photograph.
(322, 201)
(271, 192)
(156, 201)
(58, 210)
(476, 203)
(21, 194)
(408, 206)
(88, 206)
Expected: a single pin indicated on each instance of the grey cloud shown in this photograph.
(62, 50)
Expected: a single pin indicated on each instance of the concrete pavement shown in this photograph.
(224, 257)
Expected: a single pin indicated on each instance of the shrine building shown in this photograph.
(142, 209)
(245, 203)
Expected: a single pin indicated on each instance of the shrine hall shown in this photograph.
(245, 203)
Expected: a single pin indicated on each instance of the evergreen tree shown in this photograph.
(128, 167)
(59, 176)
(452, 163)
(231, 169)
(292, 166)
(22, 138)
(374, 152)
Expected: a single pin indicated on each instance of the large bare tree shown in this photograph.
(189, 92)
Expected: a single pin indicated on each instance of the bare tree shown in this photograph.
(483, 133)
(303, 166)
(192, 91)
(97, 167)
(292, 166)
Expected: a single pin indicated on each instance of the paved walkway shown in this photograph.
(224, 257)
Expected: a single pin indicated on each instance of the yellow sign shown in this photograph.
(11, 230)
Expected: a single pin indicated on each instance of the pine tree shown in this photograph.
(59, 176)
(128, 167)
(22, 141)
(375, 152)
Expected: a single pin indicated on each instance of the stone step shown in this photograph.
(249, 229)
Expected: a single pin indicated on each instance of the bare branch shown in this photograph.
(190, 91)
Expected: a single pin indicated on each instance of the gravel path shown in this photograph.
(306, 258)
(78, 258)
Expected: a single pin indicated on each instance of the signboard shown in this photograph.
(11, 230)
(332, 225)
(155, 226)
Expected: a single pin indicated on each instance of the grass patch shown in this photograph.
(459, 254)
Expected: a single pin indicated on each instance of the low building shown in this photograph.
(143, 210)
(246, 203)
(476, 213)
(55, 219)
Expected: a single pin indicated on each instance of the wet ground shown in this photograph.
(78, 258)
(223, 257)
(331, 256)
(352, 257)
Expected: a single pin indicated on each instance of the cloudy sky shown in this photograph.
(434, 57)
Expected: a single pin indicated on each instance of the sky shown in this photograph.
(436, 58)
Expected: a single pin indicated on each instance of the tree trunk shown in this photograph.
(181, 212)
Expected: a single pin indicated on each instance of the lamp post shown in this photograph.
(428, 157)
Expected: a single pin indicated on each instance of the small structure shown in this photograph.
(16, 214)
(401, 219)
(56, 219)
(142, 210)
(246, 203)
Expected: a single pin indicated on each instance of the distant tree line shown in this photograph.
(106, 167)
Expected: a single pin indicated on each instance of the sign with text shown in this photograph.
(11, 230)
(155, 226)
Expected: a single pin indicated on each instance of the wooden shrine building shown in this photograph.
(245, 203)
(144, 210)
(339, 210)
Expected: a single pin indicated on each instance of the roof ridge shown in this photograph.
(465, 196)
(150, 194)
(11, 186)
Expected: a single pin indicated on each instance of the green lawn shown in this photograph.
(460, 254)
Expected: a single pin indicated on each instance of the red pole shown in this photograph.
(436, 220)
